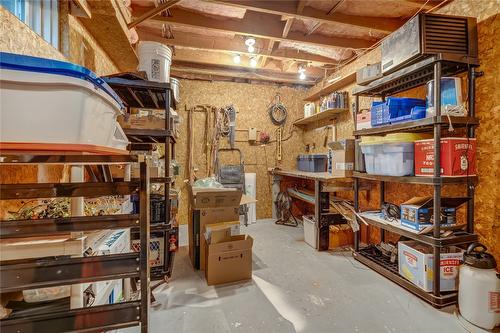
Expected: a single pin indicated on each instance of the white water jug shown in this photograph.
(479, 288)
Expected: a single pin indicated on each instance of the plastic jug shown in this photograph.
(479, 288)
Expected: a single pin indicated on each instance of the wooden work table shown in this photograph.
(324, 184)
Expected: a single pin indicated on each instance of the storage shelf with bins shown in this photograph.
(22, 274)
(139, 93)
(409, 77)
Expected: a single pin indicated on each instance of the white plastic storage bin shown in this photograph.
(392, 155)
(155, 59)
(310, 231)
(389, 159)
(53, 102)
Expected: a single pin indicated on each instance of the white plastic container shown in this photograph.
(155, 59)
(389, 159)
(479, 288)
(44, 101)
(309, 109)
(48, 108)
(310, 231)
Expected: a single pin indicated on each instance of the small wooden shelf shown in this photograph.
(318, 91)
(417, 180)
(327, 114)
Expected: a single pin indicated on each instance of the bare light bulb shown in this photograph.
(302, 75)
(253, 62)
(236, 59)
(251, 49)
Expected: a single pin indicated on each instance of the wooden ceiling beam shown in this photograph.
(235, 72)
(417, 4)
(153, 12)
(256, 24)
(229, 45)
(289, 8)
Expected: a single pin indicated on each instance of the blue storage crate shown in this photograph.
(394, 110)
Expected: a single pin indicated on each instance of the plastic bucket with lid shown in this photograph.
(155, 59)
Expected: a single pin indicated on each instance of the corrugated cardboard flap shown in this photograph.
(237, 243)
(211, 198)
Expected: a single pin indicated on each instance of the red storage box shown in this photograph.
(458, 157)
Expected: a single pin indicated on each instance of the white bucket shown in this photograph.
(155, 59)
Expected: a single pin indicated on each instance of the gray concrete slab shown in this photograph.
(294, 289)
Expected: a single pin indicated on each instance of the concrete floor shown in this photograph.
(294, 289)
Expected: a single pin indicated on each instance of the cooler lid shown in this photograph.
(476, 256)
(42, 65)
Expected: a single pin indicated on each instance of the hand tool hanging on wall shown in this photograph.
(279, 137)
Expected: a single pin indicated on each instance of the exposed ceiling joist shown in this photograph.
(232, 72)
(153, 12)
(289, 8)
(229, 45)
(261, 25)
(287, 27)
(418, 4)
(300, 6)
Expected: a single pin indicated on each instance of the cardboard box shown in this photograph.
(229, 261)
(458, 157)
(363, 120)
(417, 212)
(142, 120)
(341, 162)
(416, 265)
(209, 206)
(221, 232)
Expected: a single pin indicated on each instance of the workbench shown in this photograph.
(324, 184)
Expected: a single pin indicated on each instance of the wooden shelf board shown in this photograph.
(327, 114)
(322, 90)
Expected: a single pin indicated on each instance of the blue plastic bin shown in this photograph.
(394, 110)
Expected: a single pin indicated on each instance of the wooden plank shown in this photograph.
(261, 25)
(327, 114)
(228, 45)
(324, 88)
(289, 8)
(152, 12)
(110, 30)
(241, 73)
(39, 247)
(80, 8)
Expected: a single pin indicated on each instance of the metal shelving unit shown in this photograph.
(18, 275)
(136, 92)
(404, 79)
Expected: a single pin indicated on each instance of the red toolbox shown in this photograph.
(458, 157)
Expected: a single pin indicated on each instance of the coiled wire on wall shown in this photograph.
(277, 111)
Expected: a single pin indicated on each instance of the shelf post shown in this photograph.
(382, 200)
(437, 174)
(317, 210)
(471, 134)
(144, 253)
(166, 185)
(356, 208)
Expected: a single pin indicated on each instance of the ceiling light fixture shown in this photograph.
(250, 42)
(236, 59)
(302, 69)
(253, 62)
(302, 75)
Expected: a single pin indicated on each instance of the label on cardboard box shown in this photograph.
(344, 166)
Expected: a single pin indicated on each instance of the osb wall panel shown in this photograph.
(17, 37)
(251, 102)
(85, 50)
(487, 199)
